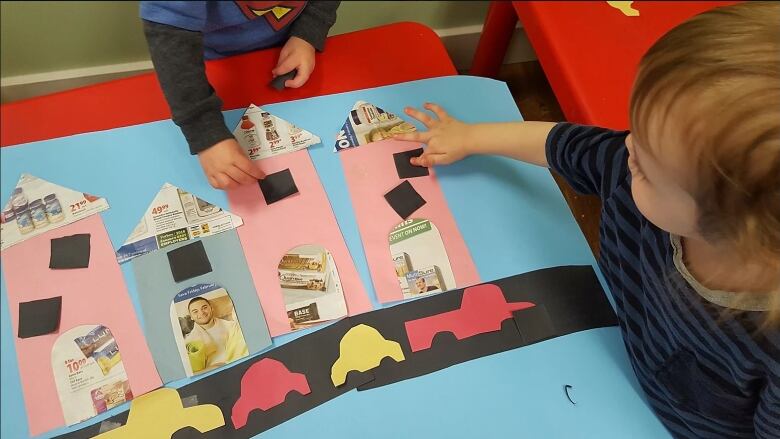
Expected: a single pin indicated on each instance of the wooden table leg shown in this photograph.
(496, 34)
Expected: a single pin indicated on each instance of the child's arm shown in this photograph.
(307, 34)
(450, 140)
(177, 55)
(593, 160)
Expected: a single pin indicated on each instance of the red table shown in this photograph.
(588, 50)
(369, 58)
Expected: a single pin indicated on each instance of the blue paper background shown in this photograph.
(512, 217)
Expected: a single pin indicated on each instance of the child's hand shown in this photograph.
(448, 139)
(296, 54)
(226, 166)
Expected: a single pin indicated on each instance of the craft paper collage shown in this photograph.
(199, 301)
(371, 172)
(392, 344)
(278, 261)
(115, 365)
(271, 231)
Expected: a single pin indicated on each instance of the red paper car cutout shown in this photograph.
(482, 309)
(265, 385)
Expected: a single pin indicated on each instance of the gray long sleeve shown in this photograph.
(177, 55)
(315, 21)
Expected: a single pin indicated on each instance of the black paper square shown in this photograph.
(70, 252)
(39, 317)
(404, 199)
(407, 170)
(189, 261)
(278, 186)
(534, 324)
(278, 82)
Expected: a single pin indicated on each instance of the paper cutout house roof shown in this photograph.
(175, 215)
(37, 206)
(264, 135)
(368, 123)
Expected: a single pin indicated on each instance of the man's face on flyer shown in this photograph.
(420, 283)
(200, 312)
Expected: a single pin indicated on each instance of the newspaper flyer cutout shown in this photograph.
(264, 135)
(175, 216)
(206, 328)
(368, 123)
(89, 373)
(420, 259)
(311, 286)
(37, 206)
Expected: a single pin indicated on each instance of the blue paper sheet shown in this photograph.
(512, 217)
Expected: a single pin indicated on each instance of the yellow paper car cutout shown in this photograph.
(362, 348)
(159, 414)
(625, 8)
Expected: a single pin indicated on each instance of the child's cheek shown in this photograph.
(646, 204)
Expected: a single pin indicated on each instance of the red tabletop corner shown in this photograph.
(588, 50)
(374, 57)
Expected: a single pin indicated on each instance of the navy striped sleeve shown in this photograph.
(767, 418)
(593, 160)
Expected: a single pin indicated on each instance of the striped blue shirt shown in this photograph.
(704, 376)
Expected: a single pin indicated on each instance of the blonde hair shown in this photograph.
(726, 63)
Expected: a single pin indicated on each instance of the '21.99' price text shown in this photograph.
(75, 207)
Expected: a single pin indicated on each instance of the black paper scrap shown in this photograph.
(39, 317)
(404, 199)
(189, 261)
(70, 252)
(571, 295)
(405, 168)
(278, 82)
(534, 324)
(278, 186)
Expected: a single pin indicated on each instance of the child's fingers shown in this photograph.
(300, 78)
(416, 136)
(437, 110)
(423, 117)
(249, 168)
(429, 160)
(285, 66)
(239, 176)
(224, 181)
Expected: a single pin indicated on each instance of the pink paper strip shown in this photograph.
(90, 296)
(370, 172)
(269, 231)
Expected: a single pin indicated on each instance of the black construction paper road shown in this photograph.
(278, 82)
(568, 299)
(39, 317)
(404, 168)
(189, 261)
(404, 199)
(70, 252)
(278, 186)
